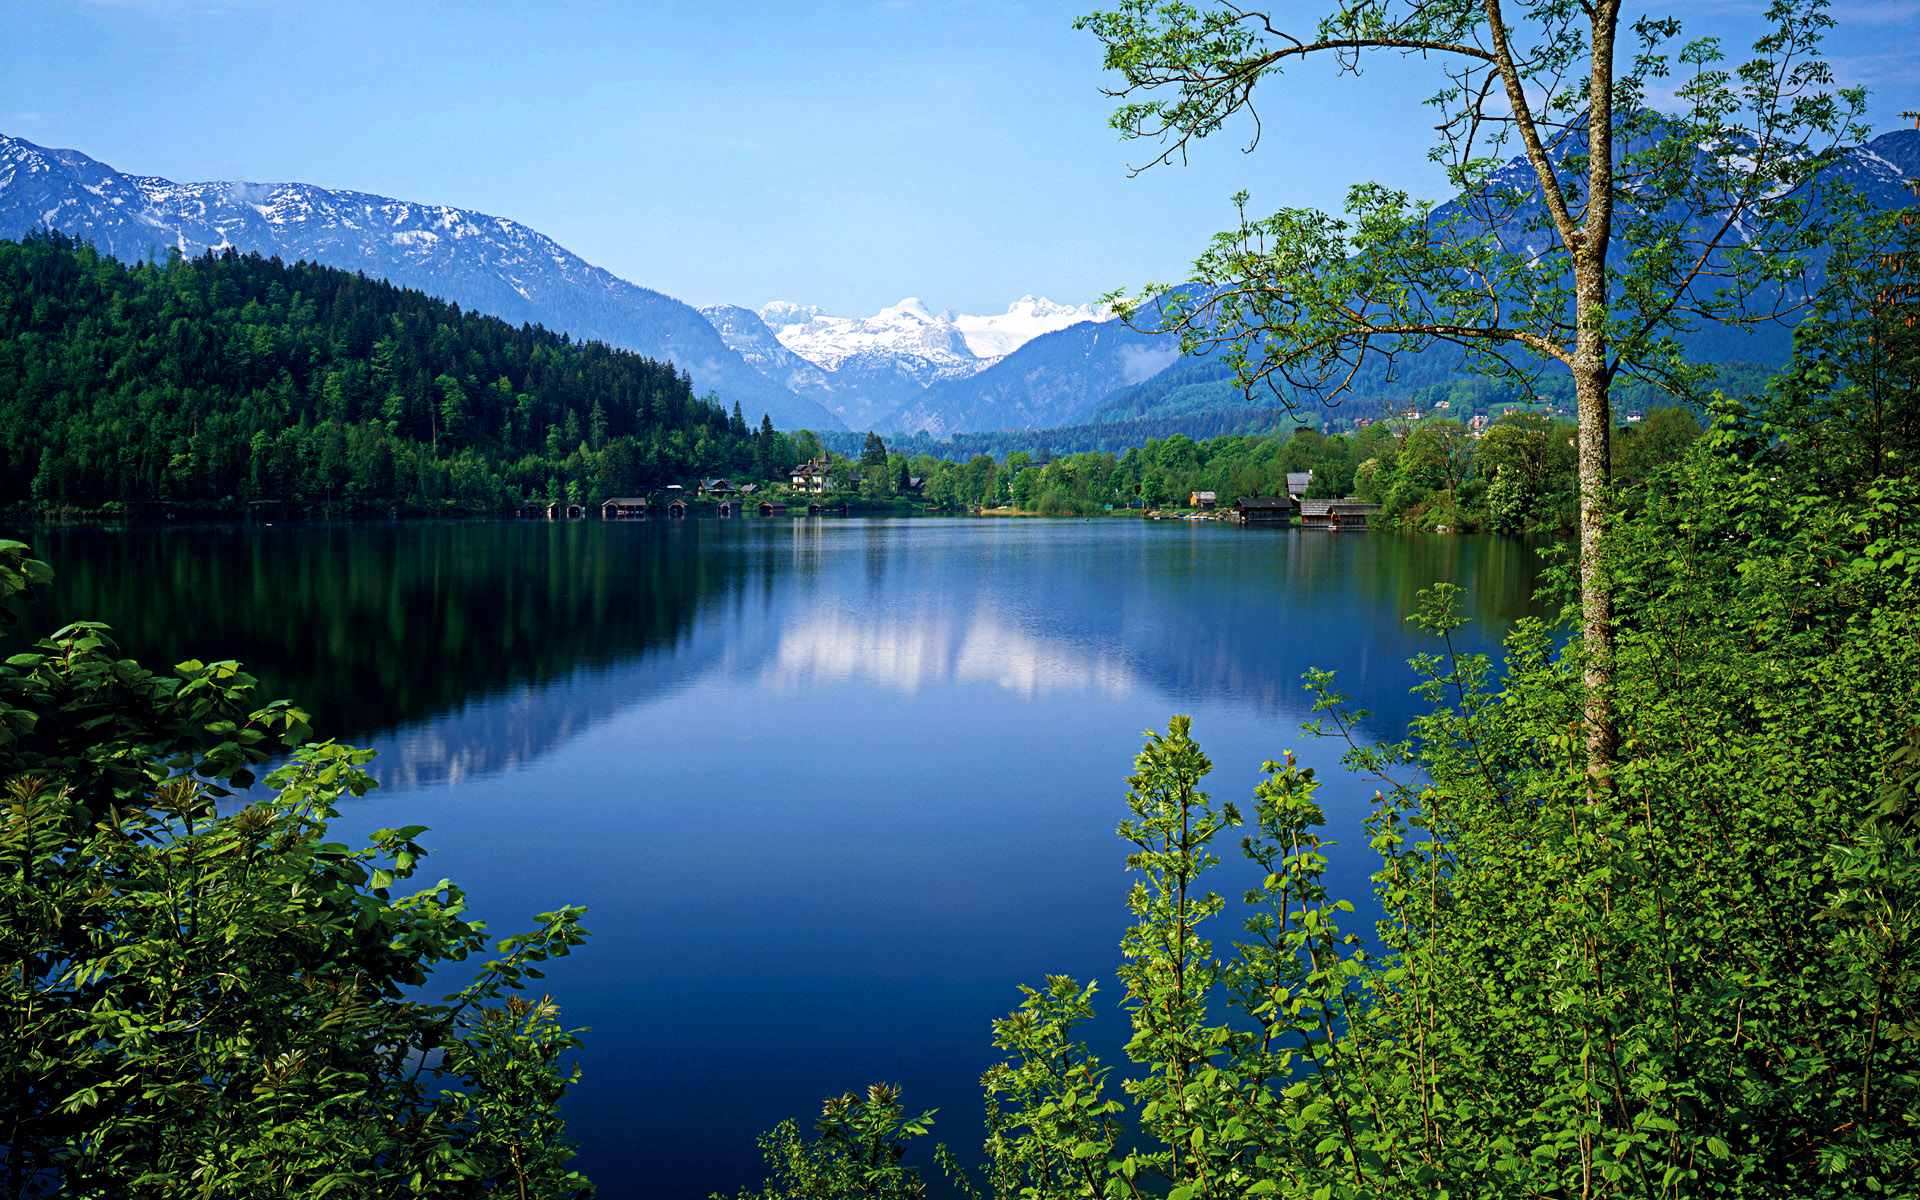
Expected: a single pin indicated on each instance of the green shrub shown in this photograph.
(226, 1005)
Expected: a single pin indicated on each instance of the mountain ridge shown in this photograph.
(492, 264)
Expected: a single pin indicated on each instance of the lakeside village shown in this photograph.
(1417, 469)
(811, 491)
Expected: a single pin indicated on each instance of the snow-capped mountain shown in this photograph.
(928, 346)
(481, 262)
(1025, 319)
(950, 346)
(870, 369)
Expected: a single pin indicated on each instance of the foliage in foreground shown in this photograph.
(1697, 976)
(214, 1005)
(862, 1139)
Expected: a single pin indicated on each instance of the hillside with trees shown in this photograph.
(207, 384)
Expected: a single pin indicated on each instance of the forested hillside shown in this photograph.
(208, 383)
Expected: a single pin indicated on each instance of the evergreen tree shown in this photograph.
(200, 382)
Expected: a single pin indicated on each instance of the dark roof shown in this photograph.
(1285, 502)
(625, 501)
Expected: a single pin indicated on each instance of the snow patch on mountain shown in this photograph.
(784, 312)
(1025, 319)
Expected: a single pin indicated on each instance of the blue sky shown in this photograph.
(839, 154)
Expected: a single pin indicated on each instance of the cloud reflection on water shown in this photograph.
(907, 654)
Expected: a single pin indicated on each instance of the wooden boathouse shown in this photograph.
(1264, 510)
(1350, 513)
(677, 507)
(624, 506)
(772, 508)
(531, 510)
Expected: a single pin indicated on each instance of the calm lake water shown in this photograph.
(831, 788)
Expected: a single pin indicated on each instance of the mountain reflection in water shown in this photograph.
(831, 788)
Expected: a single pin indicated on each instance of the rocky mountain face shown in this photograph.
(480, 262)
(748, 335)
(1045, 382)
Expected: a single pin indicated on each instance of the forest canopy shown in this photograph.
(227, 378)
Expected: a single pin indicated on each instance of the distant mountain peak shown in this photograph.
(926, 346)
(876, 367)
(911, 306)
(785, 312)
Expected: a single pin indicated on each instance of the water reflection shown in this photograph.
(370, 627)
(467, 650)
(906, 655)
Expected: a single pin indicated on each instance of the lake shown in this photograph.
(831, 788)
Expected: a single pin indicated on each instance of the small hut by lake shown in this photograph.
(531, 510)
(1350, 513)
(772, 508)
(1264, 509)
(624, 506)
(676, 507)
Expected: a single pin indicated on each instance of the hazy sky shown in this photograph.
(845, 155)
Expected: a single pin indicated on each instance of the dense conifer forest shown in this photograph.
(207, 384)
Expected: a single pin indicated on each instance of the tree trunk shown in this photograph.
(1592, 381)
